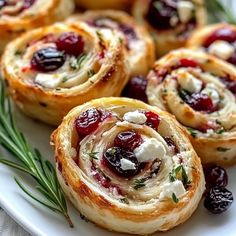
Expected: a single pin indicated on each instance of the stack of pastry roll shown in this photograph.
(139, 45)
(18, 16)
(218, 40)
(51, 69)
(171, 22)
(127, 166)
(199, 89)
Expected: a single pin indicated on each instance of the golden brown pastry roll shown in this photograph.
(171, 22)
(52, 69)
(218, 40)
(127, 166)
(104, 4)
(199, 89)
(18, 16)
(139, 45)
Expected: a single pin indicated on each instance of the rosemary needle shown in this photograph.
(221, 12)
(29, 160)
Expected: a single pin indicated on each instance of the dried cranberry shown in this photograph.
(198, 101)
(201, 102)
(136, 88)
(230, 84)
(184, 62)
(153, 120)
(215, 176)
(160, 12)
(225, 34)
(128, 140)
(113, 158)
(70, 43)
(88, 122)
(27, 4)
(100, 177)
(170, 142)
(218, 200)
(128, 31)
(47, 59)
(232, 59)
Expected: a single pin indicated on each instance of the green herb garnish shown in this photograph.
(174, 198)
(93, 155)
(139, 183)
(29, 161)
(91, 73)
(125, 200)
(179, 173)
(76, 64)
(221, 130)
(192, 131)
(221, 12)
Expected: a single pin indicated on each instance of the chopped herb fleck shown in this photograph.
(18, 53)
(76, 64)
(175, 174)
(124, 200)
(157, 5)
(174, 198)
(193, 132)
(139, 183)
(121, 40)
(222, 149)
(64, 79)
(92, 155)
(221, 130)
(91, 73)
(111, 151)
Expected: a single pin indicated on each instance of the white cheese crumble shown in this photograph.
(174, 21)
(185, 10)
(175, 187)
(127, 164)
(210, 90)
(188, 82)
(150, 150)
(135, 117)
(221, 49)
(49, 80)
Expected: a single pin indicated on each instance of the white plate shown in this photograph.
(39, 221)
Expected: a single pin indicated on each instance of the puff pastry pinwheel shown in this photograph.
(52, 69)
(171, 22)
(18, 16)
(127, 166)
(218, 40)
(104, 4)
(199, 89)
(139, 45)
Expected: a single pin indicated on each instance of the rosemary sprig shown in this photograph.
(29, 161)
(221, 12)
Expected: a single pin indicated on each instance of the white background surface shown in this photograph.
(39, 221)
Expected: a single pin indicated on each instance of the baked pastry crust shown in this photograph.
(139, 45)
(104, 4)
(173, 38)
(102, 73)
(136, 211)
(213, 134)
(200, 37)
(42, 12)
